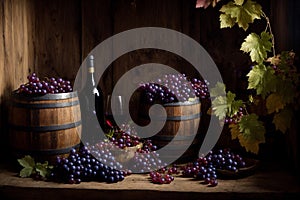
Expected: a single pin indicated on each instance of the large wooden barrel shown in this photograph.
(44, 126)
(182, 120)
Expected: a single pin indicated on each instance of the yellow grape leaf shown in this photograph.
(274, 103)
(275, 60)
(249, 144)
(282, 120)
(235, 131)
(239, 2)
(252, 133)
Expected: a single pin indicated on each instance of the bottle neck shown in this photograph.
(91, 81)
(91, 74)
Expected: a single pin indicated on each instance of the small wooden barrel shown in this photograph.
(183, 119)
(44, 126)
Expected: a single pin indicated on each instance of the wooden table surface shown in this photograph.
(265, 183)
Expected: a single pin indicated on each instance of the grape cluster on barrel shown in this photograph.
(145, 157)
(126, 136)
(205, 168)
(173, 88)
(37, 86)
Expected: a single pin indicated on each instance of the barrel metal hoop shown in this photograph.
(46, 128)
(47, 151)
(46, 105)
(57, 96)
(174, 118)
(184, 117)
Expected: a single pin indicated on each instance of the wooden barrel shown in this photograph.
(44, 126)
(183, 119)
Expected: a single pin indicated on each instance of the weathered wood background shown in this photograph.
(52, 37)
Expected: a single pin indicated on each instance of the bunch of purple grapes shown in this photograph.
(205, 168)
(236, 117)
(82, 166)
(225, 159)
(36, 86)
(139, 156)
(103, 152)
(139, 161)
(146, 161)
(173, 88)
(201, 169)
(123, 139)
(126, 136)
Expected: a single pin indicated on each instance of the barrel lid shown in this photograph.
(57, 96)
(186, 103)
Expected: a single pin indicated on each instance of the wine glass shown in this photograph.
(115, 109)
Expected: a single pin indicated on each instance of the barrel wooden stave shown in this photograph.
(182, 120)
(44, 127)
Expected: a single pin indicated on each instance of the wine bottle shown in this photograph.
(91, 103)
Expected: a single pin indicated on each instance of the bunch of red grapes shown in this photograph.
(236, 117)
(37, 86)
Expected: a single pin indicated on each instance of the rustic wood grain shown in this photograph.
(57, 36)
(261, 185)
(15, 53)
(97, 25)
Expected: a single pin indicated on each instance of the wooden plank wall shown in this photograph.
(57, 38)
(15, 53)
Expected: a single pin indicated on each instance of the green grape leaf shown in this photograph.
(42, 169)
(230, 100)
(239, 2)
(287, 91)
(257, 46)
(274, 103)
(27, 162)
(283, 119)
(234, 107)
(26, 172)
(262, 79)
(252, 133)
(110, 134)
(240, 12)
(220, 107)
(226, 106)
(226, 21)
(218, 90)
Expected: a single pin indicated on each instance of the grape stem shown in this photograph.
(270, 30)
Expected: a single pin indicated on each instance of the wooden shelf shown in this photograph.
(266, 183)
